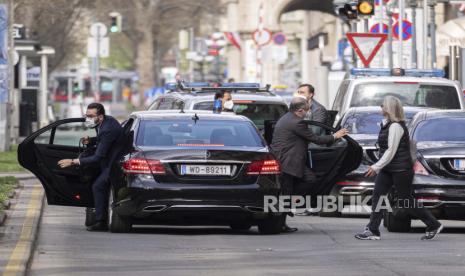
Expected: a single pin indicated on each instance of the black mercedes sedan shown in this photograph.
(363, 124)
(177, 168)
(439, 182)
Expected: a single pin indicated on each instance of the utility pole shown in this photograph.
(401, 34)
(414, 5)
(390, 50)
(432, 4)
(425, 33)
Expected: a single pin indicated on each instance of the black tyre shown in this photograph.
(90, 216)
(117, 223)
(395, 223)
(240, 226)
(271, 225)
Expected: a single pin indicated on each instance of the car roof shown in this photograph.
(434, 114)
(371, 109)
(176, 114)
(236, 95)
(368, 79)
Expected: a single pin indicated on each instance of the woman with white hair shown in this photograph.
(395, 167)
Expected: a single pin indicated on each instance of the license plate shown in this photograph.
(205, 170)
(459, 164)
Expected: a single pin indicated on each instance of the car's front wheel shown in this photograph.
(272, 225)
(118, 224)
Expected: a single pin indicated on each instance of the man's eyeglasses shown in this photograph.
(90, 116)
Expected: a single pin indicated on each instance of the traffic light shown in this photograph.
(348, 11)
(116, 21)
(366, 7)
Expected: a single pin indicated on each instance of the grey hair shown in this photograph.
(394, 109)
(298, 103)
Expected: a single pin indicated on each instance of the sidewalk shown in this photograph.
(18, 234)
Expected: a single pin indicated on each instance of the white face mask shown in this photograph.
(91, 122)
(229, 104)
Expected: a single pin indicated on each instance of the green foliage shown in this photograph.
(121, 53)
(9, 161)
(7, 184)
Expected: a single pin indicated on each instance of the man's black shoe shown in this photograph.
(98, 226)
(287, 229)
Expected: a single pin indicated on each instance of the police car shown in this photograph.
(257, 103)
(418, 88)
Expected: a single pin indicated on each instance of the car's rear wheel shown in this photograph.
(271, 225)
(118, 224)
(395, 223)
(242, 226)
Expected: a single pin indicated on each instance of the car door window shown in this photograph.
(65, 135)
(339, 100)
(166, 103)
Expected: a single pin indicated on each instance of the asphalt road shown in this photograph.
(322, 246)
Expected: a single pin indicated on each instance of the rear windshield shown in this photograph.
(258, 113)
(368, 123)
(444, 129)
(203, 133)
(411, 94)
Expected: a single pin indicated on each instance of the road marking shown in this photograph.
(14, 264)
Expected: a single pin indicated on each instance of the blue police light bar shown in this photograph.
(386, 72)
(171, 86)
(188, 85)
(240, 85)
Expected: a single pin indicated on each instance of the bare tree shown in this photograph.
(56, 23)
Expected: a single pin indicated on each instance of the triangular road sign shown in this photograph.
(366, 45)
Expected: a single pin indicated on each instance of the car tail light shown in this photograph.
(418, 168)
(348, 183)
(264, 167)
(142, 165)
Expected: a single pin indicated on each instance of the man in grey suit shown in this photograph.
(291, 137)
(317, 111)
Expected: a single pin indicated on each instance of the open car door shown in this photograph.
(328, 162)
(40, 153)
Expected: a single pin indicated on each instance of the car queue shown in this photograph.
(180, 164)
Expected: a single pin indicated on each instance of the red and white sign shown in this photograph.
(366, 45)
(262, 37)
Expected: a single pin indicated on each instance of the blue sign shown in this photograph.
(279, 39)
(406, 30)
(375, 29)
(341, 46)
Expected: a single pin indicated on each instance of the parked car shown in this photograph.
(420, 88)
(439, 182)
(250, 100)
(363, 124)
(191, 167)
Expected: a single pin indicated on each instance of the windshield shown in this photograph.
(443, 129)
(410, 94)
(368, 123)
(202, 133)
(258, 113)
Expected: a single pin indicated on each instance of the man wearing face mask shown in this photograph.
(228, 103)
(108, 131)
(291, 137)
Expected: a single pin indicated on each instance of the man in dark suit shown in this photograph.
(291, 137)
(317, 111)
(108, 132)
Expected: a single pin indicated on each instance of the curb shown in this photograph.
(20, 265)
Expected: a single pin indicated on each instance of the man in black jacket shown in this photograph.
(108, 132)
(291, 137)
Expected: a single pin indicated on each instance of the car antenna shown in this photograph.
(195, 118)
